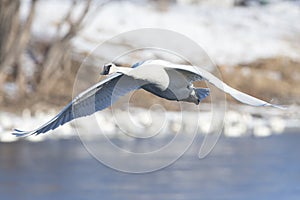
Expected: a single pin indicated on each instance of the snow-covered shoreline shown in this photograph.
(242, 121)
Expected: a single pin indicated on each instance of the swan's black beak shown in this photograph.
(106, 69)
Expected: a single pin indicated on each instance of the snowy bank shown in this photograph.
(230, 35)
(242, 121)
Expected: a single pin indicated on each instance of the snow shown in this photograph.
(229, 35)
(239, 122)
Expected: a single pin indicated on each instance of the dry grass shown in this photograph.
(276, 79)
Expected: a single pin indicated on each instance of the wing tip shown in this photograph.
(275, 106)
(19, 133)
(280, 107)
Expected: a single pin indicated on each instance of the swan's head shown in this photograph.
(109, 68)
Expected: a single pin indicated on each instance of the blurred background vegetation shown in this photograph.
(38, 72)
(35, 68)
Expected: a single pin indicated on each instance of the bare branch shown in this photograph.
(9, 25)
(57, 54)
(67, 18)
(76, 26)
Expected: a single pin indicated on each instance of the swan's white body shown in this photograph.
(162, 78)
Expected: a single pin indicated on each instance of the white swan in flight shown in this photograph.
(162, 78)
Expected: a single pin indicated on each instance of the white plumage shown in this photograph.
(162, 78)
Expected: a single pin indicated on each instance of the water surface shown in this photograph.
(244, 168)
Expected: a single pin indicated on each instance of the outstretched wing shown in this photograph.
(196, 73)
(96, 98)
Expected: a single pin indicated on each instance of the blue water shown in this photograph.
(244, 168)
